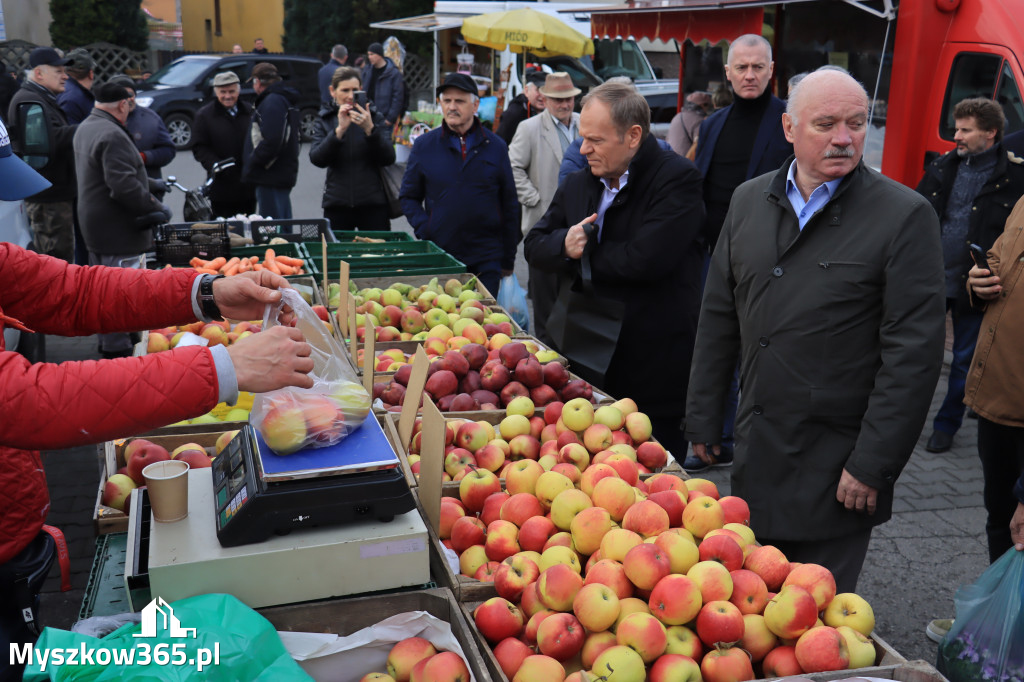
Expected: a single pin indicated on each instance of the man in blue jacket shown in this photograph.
(737, 143)
(458, 189)
(272, 145)
(384, 85)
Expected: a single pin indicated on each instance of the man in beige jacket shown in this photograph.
(536, 153)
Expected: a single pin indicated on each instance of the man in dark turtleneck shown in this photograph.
(973, 189)
(737, 143)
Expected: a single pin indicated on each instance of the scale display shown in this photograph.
(258, 493)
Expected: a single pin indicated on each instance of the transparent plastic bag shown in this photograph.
(986, 641)
(290, 419)
(512, 297)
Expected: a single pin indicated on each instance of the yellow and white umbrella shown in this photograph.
(526, 30)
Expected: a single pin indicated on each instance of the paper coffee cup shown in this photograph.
(167, 483)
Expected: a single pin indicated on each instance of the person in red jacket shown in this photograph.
(49, 407)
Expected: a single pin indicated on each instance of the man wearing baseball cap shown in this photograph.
(76, 100)
(218, 133)
(272, 145)
(50, 212)
(384, 84)
(458, 189)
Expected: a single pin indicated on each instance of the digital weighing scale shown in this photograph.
(257, 493)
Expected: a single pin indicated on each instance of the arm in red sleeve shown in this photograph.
(48, 295)
(48, 407)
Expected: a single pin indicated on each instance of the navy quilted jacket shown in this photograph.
(48, 407)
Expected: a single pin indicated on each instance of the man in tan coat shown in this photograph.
(536, 153)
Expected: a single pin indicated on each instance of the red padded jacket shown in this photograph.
(47, 406)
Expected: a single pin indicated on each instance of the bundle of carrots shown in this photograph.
(280, 265)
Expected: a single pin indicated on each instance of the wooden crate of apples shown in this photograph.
(125, 459)
(488, 376)
(412, 287)
(421, 313)
(614, 578)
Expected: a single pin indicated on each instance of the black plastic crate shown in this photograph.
(178, 243)
(293, 229)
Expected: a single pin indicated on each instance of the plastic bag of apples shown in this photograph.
(291, 419)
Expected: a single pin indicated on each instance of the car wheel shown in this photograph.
(180, 128)
(307, 124)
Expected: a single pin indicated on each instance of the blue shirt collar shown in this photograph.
(815, 202)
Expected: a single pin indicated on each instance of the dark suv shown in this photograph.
(178, 90)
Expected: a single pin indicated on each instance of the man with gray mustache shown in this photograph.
(827, 285)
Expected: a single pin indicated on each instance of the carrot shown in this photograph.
(269, 255)
(254, 259)
(271, 264)
(244, 265)
(288, 260)
(198, 262)
(257, 266)
(286, 269)
(217, 263)
(208, 271)
(231, 270)
(233, 261)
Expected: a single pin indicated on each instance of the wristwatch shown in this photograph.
(206, 302)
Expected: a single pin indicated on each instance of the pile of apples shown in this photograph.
(218, 332)
(610, 578)
(416, 659)
(400, 318)
(487, 376)
(140, 453)
(568, 438)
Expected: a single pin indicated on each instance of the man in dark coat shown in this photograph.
(272, 145)
(524, 105)
(50, 213)
(737, 143)
(973, 189)
(76, 101)
(646, 204)
(458, 189)
(384, 85)
(219, 133)
(826, 285)
(339, 55)
(150, 135)
(114, 192)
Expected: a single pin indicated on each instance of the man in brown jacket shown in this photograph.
(993, 387)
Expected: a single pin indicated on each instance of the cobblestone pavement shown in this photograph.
(934, 543)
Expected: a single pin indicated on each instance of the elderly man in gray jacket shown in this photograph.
(113, 193)
(827, 285)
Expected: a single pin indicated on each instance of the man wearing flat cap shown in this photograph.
(114, 193)
(272, 145)
(50, 211)
(458, 189)
(536, 155)
(219, 133)
(76, 100)
(384, 85)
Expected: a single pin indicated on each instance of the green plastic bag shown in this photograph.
(235, 642)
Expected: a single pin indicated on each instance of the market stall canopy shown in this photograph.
(679, 19)
(424, 23)
(526, 30)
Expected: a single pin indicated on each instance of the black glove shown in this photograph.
(167, 212)
(157, 186)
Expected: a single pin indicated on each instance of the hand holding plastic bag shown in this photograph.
(291, 419)
(512, 297)
(987, 638)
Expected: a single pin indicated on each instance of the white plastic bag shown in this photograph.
(290, 419)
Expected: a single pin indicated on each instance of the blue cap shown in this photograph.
(17, 179)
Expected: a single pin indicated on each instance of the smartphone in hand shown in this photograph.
(361, 98)
(980, 257)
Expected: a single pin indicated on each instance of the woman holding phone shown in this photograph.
(351, 143)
